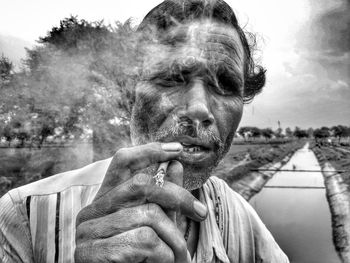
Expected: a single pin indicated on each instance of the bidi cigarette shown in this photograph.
(161, 172)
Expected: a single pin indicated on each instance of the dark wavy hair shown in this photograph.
(171, 12)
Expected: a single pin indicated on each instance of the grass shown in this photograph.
(339, 158)
(237, 167)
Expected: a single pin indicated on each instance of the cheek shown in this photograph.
(152, 107)
(228, 114)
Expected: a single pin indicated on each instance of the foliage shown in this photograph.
(340, 131)
(299, 133)
(80, 77)
(6, 69)
(320, 133)
(248, 132)
(279, 133)
(267, 133)
(288, 132)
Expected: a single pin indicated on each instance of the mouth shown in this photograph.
(195, 152)
(189, 148)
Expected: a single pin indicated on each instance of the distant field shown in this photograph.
(237, 148)
(19, 166)
(237, 168)
(339, 157)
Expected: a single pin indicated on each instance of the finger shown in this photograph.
(138, 157)
(127, 160)
(137, 245)
(130, 218)
(174, 174)
(141, 189)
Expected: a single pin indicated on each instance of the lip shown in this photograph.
(201, 158)
(190, 140)
(204, 157)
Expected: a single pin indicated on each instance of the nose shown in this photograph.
(197, 107)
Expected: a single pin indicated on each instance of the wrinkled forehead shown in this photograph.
(205, 42)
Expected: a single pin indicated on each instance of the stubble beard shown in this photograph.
(193, 176)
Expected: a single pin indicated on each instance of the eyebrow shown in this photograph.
(176, 68)
(226, 41)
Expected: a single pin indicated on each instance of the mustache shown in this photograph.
(191, 130)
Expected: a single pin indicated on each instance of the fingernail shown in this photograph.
(171, 147)
(200, 209)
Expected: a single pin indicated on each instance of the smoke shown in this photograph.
(79, 78)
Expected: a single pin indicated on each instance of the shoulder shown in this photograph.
(236, 206)
(221, 188)
(242, 225)
(89, 175)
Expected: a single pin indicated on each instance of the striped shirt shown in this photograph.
(37, 221)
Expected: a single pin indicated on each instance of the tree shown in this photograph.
(245, 132)
(74, 34)
(299, 133)
(248, 132)
(7, 133)
(321, 133)
(6, 69)
(80, 77)
(310, 132)
(340, 131)
(289, 132)
(256, 132)
(278, 133)
(267, 133)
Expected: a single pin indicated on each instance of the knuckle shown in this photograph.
(85, 214)
(78, 219)
(153, 211)
(121, 155)
(84, 231)
(148, 238)
(81, 253)
(81, 217)
(80, 233)
(178, 166)
(153, 151)
(182, 245)
(155, 146)
(140, 182)
(165, 253)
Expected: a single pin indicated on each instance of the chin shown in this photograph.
(194, 178)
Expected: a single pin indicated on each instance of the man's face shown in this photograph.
(192, 93)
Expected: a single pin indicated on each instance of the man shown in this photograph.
(197, 73)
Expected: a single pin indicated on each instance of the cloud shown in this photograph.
(333, 29)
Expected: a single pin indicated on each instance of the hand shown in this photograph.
(127, 221)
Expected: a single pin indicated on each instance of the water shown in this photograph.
(294, 208)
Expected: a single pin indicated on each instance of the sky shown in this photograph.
(304, 45)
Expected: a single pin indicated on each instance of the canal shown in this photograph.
(294, 207)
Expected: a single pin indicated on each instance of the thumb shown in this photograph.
(174, 174)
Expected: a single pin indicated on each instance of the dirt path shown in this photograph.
(293, 206)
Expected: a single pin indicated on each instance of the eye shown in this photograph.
(227, 85)
(172, 80)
